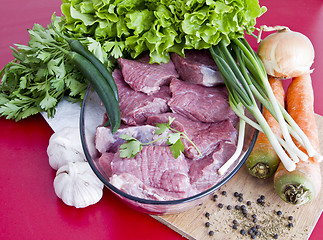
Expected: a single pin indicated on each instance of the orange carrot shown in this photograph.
(303, 184)
(263, 160)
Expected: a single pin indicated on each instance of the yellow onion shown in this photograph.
(286, 54)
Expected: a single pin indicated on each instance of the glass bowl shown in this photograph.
(92, 115)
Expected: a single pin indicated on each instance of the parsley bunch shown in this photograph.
(39, 77)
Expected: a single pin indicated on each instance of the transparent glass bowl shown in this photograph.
(92, 115)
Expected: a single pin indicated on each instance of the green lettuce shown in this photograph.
(130, 27)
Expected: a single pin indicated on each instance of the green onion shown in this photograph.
(246, 80)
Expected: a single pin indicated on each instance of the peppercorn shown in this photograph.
(235, 222)
(253, 236)
(248, 203)
(262, 197)
(220, 205)
(242, 232)
(211, 233)
(240, 199)
(279, 213)
(229, 207)
(250, 231)
(290, 218)
(290, 225)
(237, 207)
(254, 220)
(240, 194)
(275, 236)
(235, 226)
(207, 224)
(207, 214)
(254, 216)
(259, 200)
(236, 194)
(224, 193)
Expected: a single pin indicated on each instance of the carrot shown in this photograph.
(263, 160)
(304, 183)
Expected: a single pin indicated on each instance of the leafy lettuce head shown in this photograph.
(130, 27)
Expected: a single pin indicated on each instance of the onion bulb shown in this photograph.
(286, 54)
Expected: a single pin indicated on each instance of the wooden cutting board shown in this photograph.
(191, 224)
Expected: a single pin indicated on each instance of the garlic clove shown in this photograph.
(65, 146)
(77, 185)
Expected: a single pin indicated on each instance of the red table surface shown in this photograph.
(29, 208)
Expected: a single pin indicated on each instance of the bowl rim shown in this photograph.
(149, 201)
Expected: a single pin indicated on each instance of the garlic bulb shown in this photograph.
(65, 146)
(286, 54)
(77, 185)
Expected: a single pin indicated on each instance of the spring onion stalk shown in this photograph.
(238, 82)
(293, 151)
(260, 83)
(237, 153)
(267, 89)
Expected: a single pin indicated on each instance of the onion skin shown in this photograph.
(286, 54)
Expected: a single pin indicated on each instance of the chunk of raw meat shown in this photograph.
(135, 187)
(154, 167)
(197, 67)
(204, 172)
(144, 77)
(135, 106)
(206, 136)
(200, 103)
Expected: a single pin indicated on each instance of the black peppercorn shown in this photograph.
(207, 214)
(248, 203)
(290, 225)
(240, 199)
(262, 197)
(229, 207)
(254, 220)
(236, 194)
(220, 205)
(253, 236)
(275, 236)
(207, 224)
(211, 233)
(237, 207)
(290, 218)
(254, 216)
(242, 232)
(235, 222)
(224, 193)
(235, 226)
(279, 213)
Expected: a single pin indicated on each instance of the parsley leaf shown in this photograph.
(134, 146)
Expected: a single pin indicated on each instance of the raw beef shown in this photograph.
(206, 136)
(197, 67)
(135, 107)
(155, 167)
(135, 187)
(144, 77)
(204, 172)
(200, 103)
